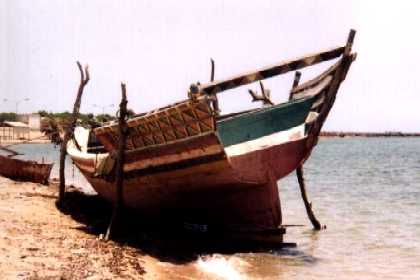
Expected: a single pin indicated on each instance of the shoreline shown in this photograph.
(328, 134)
(20, 142)
(40, 241)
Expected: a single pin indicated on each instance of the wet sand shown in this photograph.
(39, 242)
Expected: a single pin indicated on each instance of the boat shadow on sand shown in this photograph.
(162, 240)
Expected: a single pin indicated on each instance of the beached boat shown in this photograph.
(187, 162)
(25, 170)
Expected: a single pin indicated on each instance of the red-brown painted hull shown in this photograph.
(239, 191)
(22, 170)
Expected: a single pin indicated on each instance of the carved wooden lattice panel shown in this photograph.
(165, 125)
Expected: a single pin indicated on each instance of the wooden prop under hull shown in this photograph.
(22, 170)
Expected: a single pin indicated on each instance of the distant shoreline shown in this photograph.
(20, 142)
(368, 134)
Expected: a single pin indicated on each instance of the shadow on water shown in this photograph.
(162, 240)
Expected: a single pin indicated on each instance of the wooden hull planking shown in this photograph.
(184, 164)
(213, 193)
(22, 170)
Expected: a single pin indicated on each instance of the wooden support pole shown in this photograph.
(308, 205)
(84, 79)
(122, 131)
(215, 101)
(212, 70)
(299, 172)
(296, 81)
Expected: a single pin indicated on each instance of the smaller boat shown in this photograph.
(25, 170)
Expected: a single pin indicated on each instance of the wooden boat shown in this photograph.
(186, 162)
(23, 170)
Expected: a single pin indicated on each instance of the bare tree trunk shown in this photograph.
(84, 79)
(122, 125)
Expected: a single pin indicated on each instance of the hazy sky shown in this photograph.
(159, 48)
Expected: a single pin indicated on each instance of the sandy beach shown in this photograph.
(39, 242)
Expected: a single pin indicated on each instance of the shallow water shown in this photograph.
(367, 192)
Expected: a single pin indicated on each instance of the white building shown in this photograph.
(33, 121)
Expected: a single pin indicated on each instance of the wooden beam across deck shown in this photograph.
(270, 71)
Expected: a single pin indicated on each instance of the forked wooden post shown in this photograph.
(299, 172)
(84, 79)
(122, 131)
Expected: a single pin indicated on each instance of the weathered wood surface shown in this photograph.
(296, 81)
(269, 71)
(119, 170)
(338, 76)
(166, 125)
(264, 96)
(23, 170)
(308, 205)
(84, 79)
(299, 170)
(226, 190)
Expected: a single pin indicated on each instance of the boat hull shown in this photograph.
(186, 162)
(22, 170)
(230, 194)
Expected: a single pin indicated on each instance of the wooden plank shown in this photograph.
(196, 147)
(313, 82)
(257, 124)
(338, 77)
(270, 71)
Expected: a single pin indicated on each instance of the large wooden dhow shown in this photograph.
(187, 162)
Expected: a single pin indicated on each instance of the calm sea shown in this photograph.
(367, 192)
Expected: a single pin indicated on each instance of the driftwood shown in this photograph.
(264, 96)
(122, 131)
(84, 79)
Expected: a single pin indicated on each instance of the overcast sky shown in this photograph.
(159, 48)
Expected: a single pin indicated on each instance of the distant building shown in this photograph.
(14, 131)
(33, 120)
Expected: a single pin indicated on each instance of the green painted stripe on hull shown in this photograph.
(254, 125)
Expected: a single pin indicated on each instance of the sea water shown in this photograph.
(365, 190)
